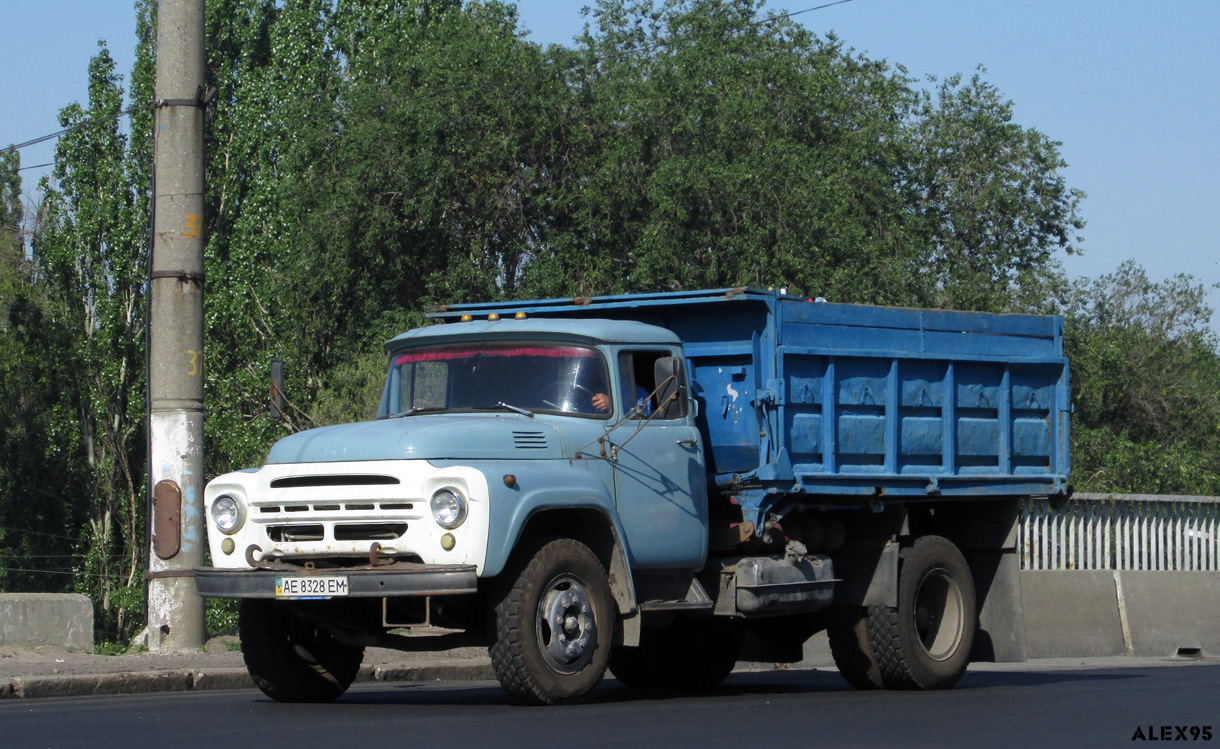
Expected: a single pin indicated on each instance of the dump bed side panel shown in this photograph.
(908, 401)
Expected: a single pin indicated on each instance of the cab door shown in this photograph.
(659, 475)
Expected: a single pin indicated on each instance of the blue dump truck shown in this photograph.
(660, 485)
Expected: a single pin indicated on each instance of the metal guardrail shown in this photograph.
(1121, 532)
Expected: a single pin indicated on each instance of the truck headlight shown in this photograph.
(227, 514)
(448, 507)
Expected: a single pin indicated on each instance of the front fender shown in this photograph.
(538, 486)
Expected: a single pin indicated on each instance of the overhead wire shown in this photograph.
(71, 129)
(44, 572)
(37, 533)
(808, 10)
(80, 573)
(762, 21)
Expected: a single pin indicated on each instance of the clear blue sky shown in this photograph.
(1129, 87)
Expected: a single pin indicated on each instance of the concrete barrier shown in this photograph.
(1071, 613)
(1171, 611)
(1108, 612)
(60, 619)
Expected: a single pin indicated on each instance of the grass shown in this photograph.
(109, 648)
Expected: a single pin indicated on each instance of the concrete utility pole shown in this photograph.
(175, 377)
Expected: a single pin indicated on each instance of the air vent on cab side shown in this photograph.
(529, 440)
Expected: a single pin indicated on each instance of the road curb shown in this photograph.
(145, 682)
(475, 671)
(99, 684)
(221, 678)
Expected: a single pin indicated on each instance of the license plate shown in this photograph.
(310, 587)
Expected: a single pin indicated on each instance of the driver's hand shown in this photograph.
(601, 402)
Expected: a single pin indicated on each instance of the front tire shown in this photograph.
(925, 642)
(289, 658)
(553, 626)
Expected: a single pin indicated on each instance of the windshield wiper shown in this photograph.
(414, 410)
(515, 409)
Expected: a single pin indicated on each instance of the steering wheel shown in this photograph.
(568, 396)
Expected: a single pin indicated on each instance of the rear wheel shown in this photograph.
(694, 653)
(631, 666)
(289, 658)
(852, 648)
(925, 642)
(553, 625)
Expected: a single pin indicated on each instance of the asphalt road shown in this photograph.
(1015, 705)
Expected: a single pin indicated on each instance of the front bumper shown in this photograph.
(363, 582)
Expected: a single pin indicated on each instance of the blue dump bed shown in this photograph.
(842, 399)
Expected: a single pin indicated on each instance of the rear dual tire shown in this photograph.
(924, 642)
(694, 653)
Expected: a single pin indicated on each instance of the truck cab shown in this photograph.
(463, 407)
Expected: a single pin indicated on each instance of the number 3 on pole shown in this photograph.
(194, 357)
(192, 225)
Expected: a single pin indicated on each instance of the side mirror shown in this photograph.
(670, 374)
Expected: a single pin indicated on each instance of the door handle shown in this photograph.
(688, 442)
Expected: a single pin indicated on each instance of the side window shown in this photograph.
(643, 385)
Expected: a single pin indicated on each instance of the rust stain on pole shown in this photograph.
(167, 519)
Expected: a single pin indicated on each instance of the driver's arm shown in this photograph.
(601, 402)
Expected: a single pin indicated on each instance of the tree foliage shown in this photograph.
(1146, 385)
(992, 203)
(91, 252)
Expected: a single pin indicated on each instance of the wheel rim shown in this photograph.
(566, 626)
(939, 614)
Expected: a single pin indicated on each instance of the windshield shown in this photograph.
(549, 377)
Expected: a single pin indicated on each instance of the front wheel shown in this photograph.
(289, 658)
(553, 625)
(925, 642)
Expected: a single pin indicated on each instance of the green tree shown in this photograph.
(992, 203)
(713, 145)
(1146, 385)
(439, 175)
(91, 254)
(12, 249)
(36, 550)
(11, 285)
(365, 160)
(717, 147)
(275, 75)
